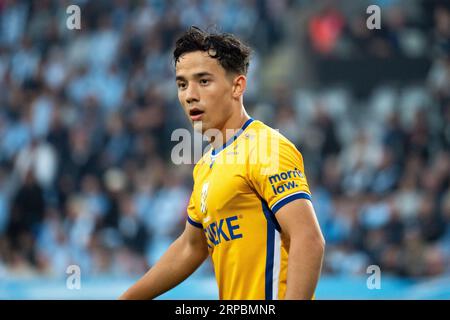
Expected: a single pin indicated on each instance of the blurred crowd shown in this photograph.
(86, 118)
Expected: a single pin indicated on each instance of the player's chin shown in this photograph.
(199, 126)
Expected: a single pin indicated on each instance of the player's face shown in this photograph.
(204, 90)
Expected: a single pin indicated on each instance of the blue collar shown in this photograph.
(233, 138)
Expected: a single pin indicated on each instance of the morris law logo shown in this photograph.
(283, 176)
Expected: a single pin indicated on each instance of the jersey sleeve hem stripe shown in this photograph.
(298, 195)
(194, 223)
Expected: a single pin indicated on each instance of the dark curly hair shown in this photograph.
(232, 54)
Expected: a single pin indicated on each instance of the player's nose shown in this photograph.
(192, 94)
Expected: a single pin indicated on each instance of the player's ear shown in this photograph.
(239, 85)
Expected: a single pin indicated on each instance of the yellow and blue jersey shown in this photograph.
(238, 189)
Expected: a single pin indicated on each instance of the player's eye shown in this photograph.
(181, 85)
(204, 82)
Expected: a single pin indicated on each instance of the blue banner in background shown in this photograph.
(205, 288)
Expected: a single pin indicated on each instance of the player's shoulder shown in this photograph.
(262, 135)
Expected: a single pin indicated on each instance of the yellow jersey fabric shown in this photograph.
(237, 192)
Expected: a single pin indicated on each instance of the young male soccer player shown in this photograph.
(250, 207)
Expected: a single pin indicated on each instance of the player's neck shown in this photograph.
(230, 127)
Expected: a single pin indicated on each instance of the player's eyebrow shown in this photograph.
(202, 74)
(195, 76)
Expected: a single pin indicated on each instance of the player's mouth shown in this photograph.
(196, 114)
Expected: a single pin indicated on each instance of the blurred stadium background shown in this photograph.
(86, 118)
